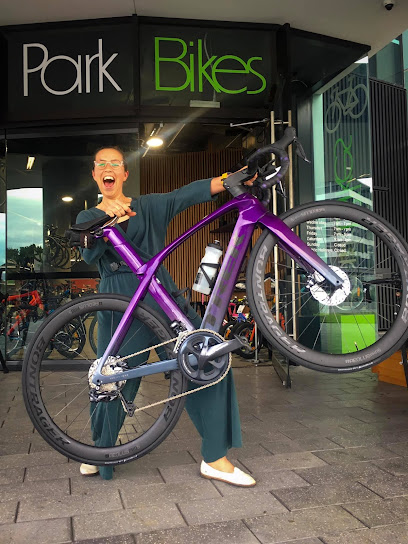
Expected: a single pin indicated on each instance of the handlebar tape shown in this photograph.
(278, 148)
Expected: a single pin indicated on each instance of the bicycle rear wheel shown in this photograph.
(56, 391)
(327, 329)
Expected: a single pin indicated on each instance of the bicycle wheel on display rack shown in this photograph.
(333, 330)
(20, 329)
(246, 330)
(57, 392)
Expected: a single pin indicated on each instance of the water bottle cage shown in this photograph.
(187, 300)
(211, 282)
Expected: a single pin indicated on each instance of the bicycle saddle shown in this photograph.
(91, 225)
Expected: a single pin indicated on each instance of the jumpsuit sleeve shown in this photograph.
(167, 205)
(92, 255)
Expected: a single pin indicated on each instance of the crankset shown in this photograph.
(203, 356)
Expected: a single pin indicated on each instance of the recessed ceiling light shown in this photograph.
(30, 162)
(67, 198)
(154, 142)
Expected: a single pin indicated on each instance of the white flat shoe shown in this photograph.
(238, 477)
(88, 470)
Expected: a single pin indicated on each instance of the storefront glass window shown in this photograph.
(342, 172)
(42, 271)
(2, 239)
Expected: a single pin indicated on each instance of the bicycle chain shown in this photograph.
(179, 339)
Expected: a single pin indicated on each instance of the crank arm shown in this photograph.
(222, 349)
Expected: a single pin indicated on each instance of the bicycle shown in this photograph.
(309, 287)
(22, 311)
(350, 101)
(18, 312)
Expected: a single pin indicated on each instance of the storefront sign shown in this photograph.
(83, 72)
(228, 67)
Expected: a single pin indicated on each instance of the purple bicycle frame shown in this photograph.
(250, 212)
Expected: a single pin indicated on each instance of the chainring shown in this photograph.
(192, 358)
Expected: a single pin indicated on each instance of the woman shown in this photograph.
(214, 411)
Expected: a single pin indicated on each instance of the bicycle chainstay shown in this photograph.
(179, 339)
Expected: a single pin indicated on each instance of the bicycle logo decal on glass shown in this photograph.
(349, 102)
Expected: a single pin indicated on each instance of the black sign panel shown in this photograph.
(213, 67)
(63, 73)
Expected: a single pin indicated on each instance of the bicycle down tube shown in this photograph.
(251, 212)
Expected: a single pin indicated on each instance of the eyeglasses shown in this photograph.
(113, 164)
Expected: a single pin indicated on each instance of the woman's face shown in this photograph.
(109, 172)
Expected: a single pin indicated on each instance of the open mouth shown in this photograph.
(109, 181)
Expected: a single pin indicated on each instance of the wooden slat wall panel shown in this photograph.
(162, 174)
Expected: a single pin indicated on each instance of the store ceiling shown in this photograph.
(361, 21)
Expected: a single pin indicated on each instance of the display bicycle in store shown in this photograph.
(319, 287)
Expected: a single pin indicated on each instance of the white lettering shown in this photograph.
(77, 84)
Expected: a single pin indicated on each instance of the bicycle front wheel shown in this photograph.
(56, 390)
(333, 330)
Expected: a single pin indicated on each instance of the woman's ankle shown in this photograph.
(222, 464)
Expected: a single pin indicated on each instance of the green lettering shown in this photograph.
(192, 71)
(158, 60)
(261, 77)
(202, 69)
(216, 70)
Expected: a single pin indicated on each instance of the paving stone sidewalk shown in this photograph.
(330, 456)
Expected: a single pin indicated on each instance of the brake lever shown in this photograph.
(300, 152)
(280, 189)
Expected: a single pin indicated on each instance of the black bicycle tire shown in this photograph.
(388, 344)
(52, 433)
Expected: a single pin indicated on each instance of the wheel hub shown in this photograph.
(110, 367)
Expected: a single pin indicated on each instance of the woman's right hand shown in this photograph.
(116, 207)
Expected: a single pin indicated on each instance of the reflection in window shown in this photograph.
(24, 227)
(2, 240)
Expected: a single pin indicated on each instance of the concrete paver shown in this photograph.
(37, 532)
(212, 533)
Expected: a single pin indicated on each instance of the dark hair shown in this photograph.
(117, 148)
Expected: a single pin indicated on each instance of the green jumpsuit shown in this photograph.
(214, 411)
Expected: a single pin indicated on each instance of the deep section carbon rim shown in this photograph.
(56, 390)
(347, 329)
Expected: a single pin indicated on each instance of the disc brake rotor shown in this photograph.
(321, 292)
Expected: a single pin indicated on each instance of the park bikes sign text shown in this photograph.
(70, 72)
(194, 66)
(80, 66)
